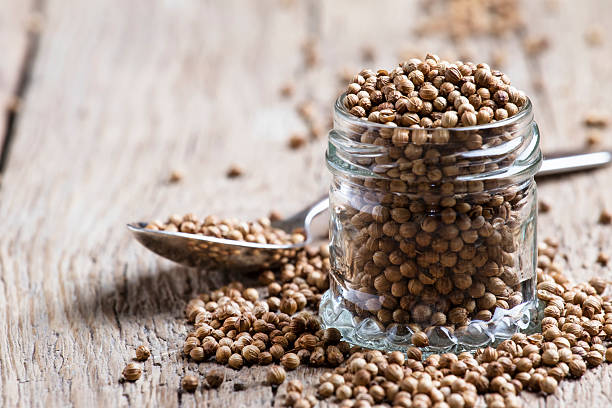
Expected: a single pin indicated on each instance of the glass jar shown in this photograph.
(432, 230)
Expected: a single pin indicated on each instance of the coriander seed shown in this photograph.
(608, 355)
(223, 354)
(215, 378)
(190, 383)
(234, 171)
(132, 372)
(250, 354)
(420, 339)
(235, 361)
(276, 375)
(343, 392)
(605, 218)
(142, 353)
(290, 361)
(325, 390)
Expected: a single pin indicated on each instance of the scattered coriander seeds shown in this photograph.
(290, 361)
(223, 354)
(287, 90)
(276, 375)
(215, 378)
(132, 372)
(176, 176)
(596, 119)
(593, 138)
(608, 355)
(235, 361)
(538, 362)
(295, 386)
(190, 383)
(250, 353)
(234, 171)
(325, 390)
(605, 218)
(142, 353)
(296, 141)
(543, 206)
(343, 392)
(603, 258)
(594, 35)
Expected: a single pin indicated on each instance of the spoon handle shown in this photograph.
(558, 164)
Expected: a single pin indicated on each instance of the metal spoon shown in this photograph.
(217, 253)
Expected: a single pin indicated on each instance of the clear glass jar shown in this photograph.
(432, 230)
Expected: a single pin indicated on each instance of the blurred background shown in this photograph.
(119, 111)
(207, 88)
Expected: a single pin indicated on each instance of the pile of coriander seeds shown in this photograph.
(234, 326)
(259, 326)
(431, 241)
(576, 335)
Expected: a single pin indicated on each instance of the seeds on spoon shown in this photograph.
(260, 231)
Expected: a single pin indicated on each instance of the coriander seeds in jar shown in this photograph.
(433, 208)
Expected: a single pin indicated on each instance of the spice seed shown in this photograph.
(276, 375)
(234, 171)
(190, 383)
(605, 218)
(296, 141)
(142, 353)
(176, 176)
(132, 372)
(215, 378)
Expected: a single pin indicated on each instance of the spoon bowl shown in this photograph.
(208, 252)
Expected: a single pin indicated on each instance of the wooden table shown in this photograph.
(114, 95)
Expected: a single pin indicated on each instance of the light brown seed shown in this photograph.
(420, 339)
(176, 176)
(215, 378)
(325, 390)
(142, 353)
(234, 171)
(605, 217)
(235, 361)
(190, 383)
(290, 361)
(132, 372)
(276, 375)
(608, 355)
(296, 141)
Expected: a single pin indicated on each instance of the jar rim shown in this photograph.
(525, 112)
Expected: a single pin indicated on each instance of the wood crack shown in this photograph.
(23, 81)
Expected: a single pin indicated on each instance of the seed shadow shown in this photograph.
(151, 292)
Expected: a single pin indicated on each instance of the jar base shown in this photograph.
(368, 333)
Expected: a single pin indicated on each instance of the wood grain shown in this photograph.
(18, 29)
(122, 93)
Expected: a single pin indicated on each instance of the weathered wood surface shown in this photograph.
(121, 93)
(19, 23)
